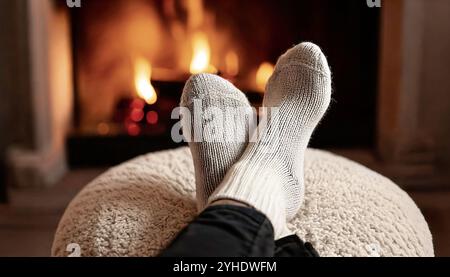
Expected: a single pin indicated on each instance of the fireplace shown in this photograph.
(131, 59)
(94, 85)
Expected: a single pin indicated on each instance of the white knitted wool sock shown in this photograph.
(216, 128)
(269, 176)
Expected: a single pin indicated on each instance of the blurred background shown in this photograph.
(85, 88)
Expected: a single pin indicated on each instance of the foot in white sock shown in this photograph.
(269, 176)
(216, 128)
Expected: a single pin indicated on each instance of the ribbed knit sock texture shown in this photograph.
(269, 176)
(217, 128)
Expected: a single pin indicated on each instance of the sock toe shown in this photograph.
(205, 85)
(302, 70)
(307, 54)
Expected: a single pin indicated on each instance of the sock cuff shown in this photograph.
(262, 193)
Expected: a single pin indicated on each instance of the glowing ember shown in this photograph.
(137, 115)
(152, 117)
(201, 54)
(133, 129)
(103, 129)
(263, 74)
(137, 104)
(144, 88)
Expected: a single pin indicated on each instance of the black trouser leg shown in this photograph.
(233, 231)
(225, 231)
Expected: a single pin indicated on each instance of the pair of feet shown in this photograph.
(263, 169)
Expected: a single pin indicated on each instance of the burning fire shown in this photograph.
(263, 74)
(143, 75)
(201, 54)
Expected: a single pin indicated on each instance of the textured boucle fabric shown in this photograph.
(137, 208)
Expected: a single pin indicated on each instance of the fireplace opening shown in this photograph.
(132, 57)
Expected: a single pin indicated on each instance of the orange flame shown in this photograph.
(143, 75)
(263, 74)
(201, 54)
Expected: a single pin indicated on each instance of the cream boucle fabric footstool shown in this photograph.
(137, 208)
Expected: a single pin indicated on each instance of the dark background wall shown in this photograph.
(6, 86)
(14, 118)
